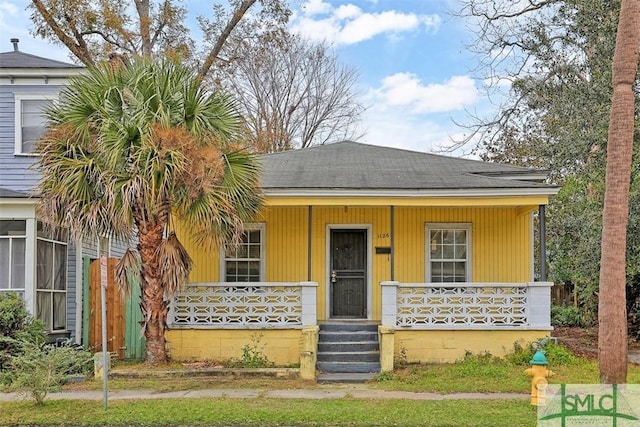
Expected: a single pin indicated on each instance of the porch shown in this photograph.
(434, 322)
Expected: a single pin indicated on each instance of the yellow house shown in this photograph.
(419, 256)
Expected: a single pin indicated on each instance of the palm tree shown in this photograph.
(133, 148)
(612, 318)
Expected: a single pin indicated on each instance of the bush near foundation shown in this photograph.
(16, 326)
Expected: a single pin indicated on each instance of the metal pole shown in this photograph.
(543, 243)
(103, 297)
(309, 235)
(392, 238)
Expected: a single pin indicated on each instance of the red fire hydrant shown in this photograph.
(539, 374)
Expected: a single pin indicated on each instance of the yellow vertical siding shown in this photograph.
(501, 242)
(286, 244)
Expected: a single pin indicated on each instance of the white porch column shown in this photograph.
(389, 302)
(309, 303)
(539, 301)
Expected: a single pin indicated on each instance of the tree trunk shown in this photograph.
(154, 308)
(612, 317)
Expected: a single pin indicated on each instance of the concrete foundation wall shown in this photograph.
(281, 346)
(448, 346)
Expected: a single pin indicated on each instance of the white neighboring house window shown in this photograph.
(245, 262)
(51, 279)
(13, 240)
(448, 252)
(30, 121)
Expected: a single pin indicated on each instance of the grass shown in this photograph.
(273, 412)
(488, 374)
(475, 373)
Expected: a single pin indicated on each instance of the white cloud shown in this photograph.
(348, 24)
(406, 90)
(393, 128)
(315, 7)
(7, 8)
(347, 11)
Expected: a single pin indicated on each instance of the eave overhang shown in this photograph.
(409, 197)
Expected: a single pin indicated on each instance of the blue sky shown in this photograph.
(415, 71)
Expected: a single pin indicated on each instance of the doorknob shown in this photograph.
(334, 277)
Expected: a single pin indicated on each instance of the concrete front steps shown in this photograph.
(348, 352)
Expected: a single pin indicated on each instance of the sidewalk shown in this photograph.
(316, 393)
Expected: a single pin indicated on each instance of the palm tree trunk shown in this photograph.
(612, 316)
(154, 308)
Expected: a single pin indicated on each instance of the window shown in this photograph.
(245, 262)
(448, 253)
(30, 121)
(51, 282)
(13, 239)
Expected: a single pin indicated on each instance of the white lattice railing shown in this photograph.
(467, 305)
(244, 305)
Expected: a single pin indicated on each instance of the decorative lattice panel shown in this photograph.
(456, 306)
(254, 304)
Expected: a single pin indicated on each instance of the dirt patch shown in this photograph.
(583, 342)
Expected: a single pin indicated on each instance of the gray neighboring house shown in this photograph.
(45, 269)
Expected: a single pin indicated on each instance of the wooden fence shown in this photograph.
(123, 315)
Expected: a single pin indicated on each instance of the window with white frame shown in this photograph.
(51, 282)
(245, 262)
(30, 121)
(13, 239)
(448, 253)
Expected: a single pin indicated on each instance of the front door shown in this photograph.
(348, 274)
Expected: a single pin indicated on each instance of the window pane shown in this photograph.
(447, 252)
(18, 253)
(461, 251)
(254, 252)
(253, 271)
(60, 264)
(231, 275)
(43, 308)
(448, 236)
(59, 310)
(254, 236)
(45, 265)
(13, 228)
(59, 234)
(242, 252)
(5, 263)
(461, 236)
(460, 271)
(32, 122)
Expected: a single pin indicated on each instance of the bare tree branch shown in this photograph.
(222, 39)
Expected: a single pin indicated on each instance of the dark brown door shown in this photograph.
(348, 275)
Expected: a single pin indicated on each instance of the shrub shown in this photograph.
(16, 326)
(555, 353)
(252, 355)
(566, 315)
(42, 369)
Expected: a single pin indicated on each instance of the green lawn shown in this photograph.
(476, 373)
(273, 412)
(497, 376)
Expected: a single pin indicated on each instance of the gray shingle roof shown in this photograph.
(12, 194)
(17, 59)
(350, 165)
